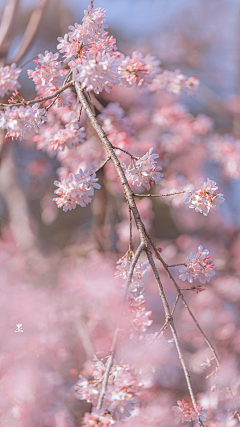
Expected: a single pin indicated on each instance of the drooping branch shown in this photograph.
(182, 298)
(140, 226)
(117, 330)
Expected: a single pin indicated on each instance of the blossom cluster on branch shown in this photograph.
(205, 199)
(88, 60)
(139, 315)
(76, 190)
(199, 266)
(122, 392)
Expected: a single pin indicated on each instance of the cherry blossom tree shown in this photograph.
(97, 316)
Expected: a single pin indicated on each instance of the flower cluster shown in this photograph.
(97, 71)
(96, 419)
(225, 150)
(76, 190)
(48, 72)
(138, 70)
(18, 121)
(71, 136)
(174, 82)
(205, 199)
(8, 79)
(121, 393)
(199, 266)
(139, 315)
(92, 31)
(184, 413)
(144, 170)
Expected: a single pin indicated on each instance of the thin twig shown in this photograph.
(40, 100)
(96, 103)
(130, 229)
(126, 152)
(158, 195)
(65, 81)
(176, 265)
(91, 5)
(100, 167)
(29, 60)
(166, 323)
(117, 330)
(182, 298)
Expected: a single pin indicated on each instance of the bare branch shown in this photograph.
(166, 323)
(100, 167)
(158, 195)
(32, 28)
(6, 28)
(130, 229)
(176, 265)
(97, 104)
(39, 100)
(126, 152)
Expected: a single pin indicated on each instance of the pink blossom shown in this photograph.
(97, 419)
(19, 120)
(199, 266)
(47, 72)
(121, 392)
(184, 413)
(174, 82)
(205, 199)
(138, 70)
(144, 171)
(76, 190)
(8, 79)
(97, 72)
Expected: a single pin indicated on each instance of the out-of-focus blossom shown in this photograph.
(174, 82)
(225, 150)
(138, 70)
(8, 79)
(184, 413)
